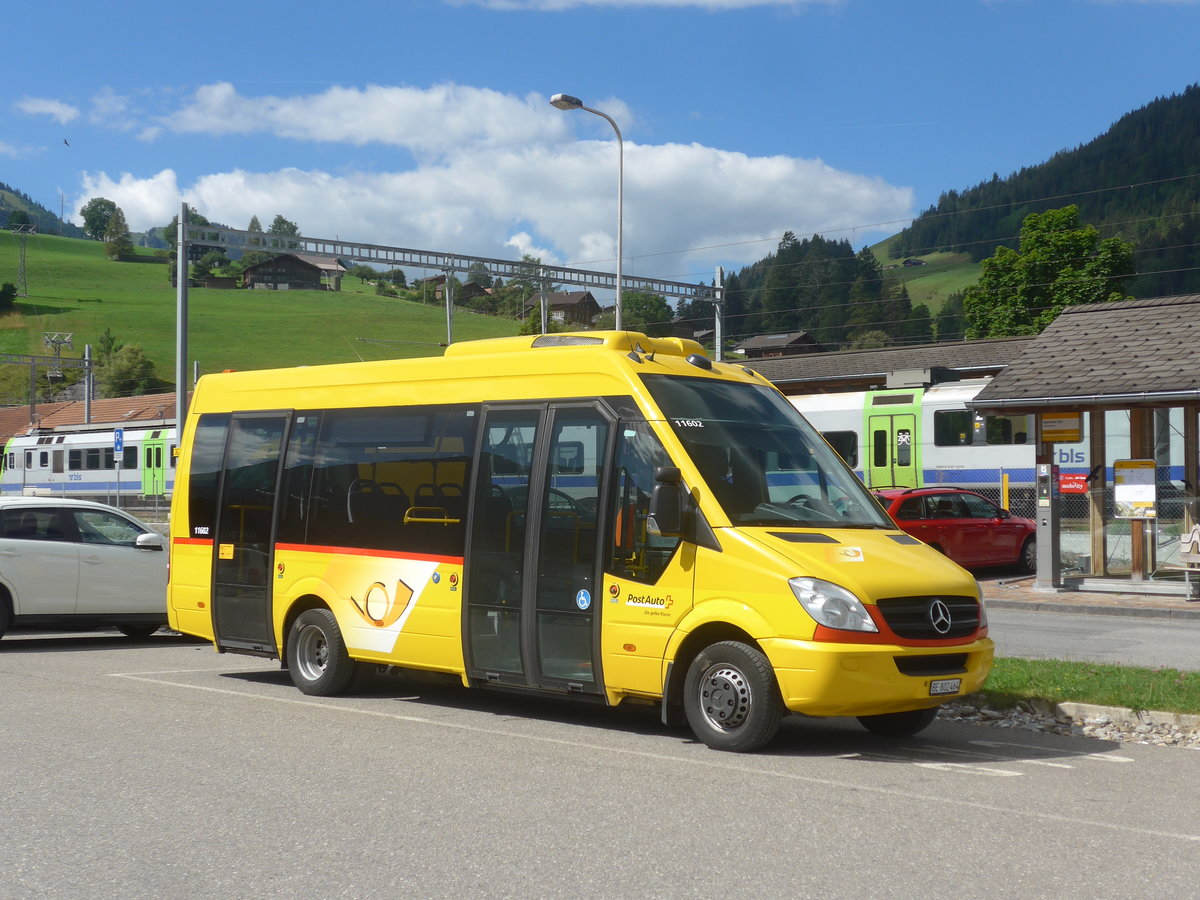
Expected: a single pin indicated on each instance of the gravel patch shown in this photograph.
(1079, 720)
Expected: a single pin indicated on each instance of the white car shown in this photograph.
(79, 564)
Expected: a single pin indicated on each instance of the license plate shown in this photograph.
(944, 686)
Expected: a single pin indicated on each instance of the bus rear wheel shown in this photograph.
(316, 652)
(731, 697)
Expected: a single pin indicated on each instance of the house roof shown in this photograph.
(1130, 353)
(324, 263)
(114, 411)
(850, 369)
(770, 341)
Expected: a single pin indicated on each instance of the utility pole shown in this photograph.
(22, 232)
(181, 323)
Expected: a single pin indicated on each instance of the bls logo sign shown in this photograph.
(1068, 457)
(381, 609)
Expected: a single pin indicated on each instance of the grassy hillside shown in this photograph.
(74, 288)
(932, 283)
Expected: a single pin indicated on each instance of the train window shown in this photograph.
(91, 458)
(43, 459)
(951, 428)
(74, 460)
(172, 455)
(1007, 429)
(845, 443)
(29, 459)
(903, 447)
(880, 446)
(110, 459)
(129, 458)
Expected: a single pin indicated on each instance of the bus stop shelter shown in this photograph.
(1127, 375)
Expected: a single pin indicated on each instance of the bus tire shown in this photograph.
(731, 697)
(316, 653)
(901, 724)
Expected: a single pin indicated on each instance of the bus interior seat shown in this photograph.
(370, 503)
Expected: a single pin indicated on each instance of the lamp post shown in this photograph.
(566, 101)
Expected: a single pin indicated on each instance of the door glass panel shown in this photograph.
(496, 562)
(567, 550)
(241, 581)
(903, 447)
(880, 442)
(637, 554)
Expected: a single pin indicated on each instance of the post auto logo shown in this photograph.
(381, 609)
(649, 601)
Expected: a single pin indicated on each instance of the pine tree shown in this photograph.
(117, 242)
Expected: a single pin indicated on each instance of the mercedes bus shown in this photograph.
(602, 515)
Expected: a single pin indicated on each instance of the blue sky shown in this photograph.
(426, 123)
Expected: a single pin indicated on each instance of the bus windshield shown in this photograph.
(763, 462)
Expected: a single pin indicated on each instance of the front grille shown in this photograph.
(915, 617)
(939, 664)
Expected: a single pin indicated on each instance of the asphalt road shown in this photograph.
(1125, 640)
(159, 768)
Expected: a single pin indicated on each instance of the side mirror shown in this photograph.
(666, 503)
(149, 541)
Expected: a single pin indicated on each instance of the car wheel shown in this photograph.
(316, 653)
(731, 697)
(137, 631)
(1028, 561)
(901, 724)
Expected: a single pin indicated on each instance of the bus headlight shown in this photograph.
(831, 605)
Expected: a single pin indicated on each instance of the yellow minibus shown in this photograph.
(601, 515)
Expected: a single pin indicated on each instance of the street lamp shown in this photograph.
(566, 101)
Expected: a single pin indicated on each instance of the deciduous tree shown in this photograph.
(96, 214)
(1059, 264)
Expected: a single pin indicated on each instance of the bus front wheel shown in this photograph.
(731, 697)
(317, 658)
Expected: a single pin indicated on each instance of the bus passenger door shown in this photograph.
(891, 454)
(241, 600)
(533, 562)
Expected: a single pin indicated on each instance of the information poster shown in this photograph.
(1134, 492)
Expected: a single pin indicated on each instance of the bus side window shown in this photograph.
(637, 555)
(208, 451)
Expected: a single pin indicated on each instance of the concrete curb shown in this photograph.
(1125, 716)
(1152, 612)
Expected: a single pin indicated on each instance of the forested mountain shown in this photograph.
(14, 201)
(823, 287)
(1139, 181)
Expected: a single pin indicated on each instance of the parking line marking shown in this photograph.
(741, 766)
(1106, 757)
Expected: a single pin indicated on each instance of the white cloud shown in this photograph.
(41, 106)
(7, 149)
(146, 202)
(553, 201)
(426, 121)
(112, 110)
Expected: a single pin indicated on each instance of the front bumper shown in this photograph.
(825, 679)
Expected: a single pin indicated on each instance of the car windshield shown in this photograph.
(763, 462)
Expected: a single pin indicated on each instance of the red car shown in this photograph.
(969, 528)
